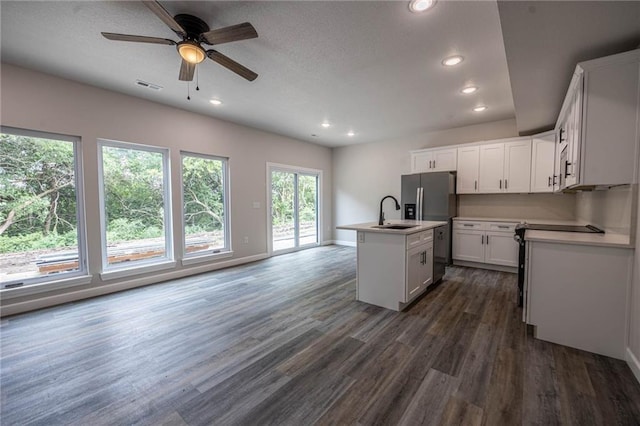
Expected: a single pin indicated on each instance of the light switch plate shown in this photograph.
(256, 204)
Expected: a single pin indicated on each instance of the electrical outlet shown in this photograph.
(245, 240)
(361, 237)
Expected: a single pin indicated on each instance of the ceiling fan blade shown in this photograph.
(165, 17)
(186, 71)
(231, 65)
(137, 38)
(227, 34)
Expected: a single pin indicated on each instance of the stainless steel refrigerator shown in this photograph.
(432, 196)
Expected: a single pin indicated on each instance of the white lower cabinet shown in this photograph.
(393, 269)
(483, 242)
(576, 295)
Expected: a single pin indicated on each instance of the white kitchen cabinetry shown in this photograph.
(434, 160)
(484, 243)
(468, 169)
(393, 269)
(505, 167)
(543, 148)
(576, 295)
(597, 127)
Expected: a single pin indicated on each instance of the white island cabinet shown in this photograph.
(394, 266)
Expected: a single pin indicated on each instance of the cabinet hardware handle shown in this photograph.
(487, 240)
(434, 164)
(505, 184)
(467, 224)
(475, 184)
(561, 132)
(566, 169)
(429, 163)
(554, 179)
(549, 184)
(482, 239)
(500, 183)
(503, 226)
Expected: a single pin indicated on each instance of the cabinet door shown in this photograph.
(491, 168)
(501, 249)
(517, 166)
(445, 160)
(542, 162)
(468, 167)
(427, 267)
(575, 124)
(415, 272)
(421, 161)
(468, 245)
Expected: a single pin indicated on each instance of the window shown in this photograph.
(135, 203)
(204, 202)
(41, 220)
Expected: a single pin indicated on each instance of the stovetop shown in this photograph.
(562, 228)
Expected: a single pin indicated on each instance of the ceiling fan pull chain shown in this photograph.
(197, 78)
(188, 92)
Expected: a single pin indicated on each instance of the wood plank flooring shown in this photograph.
(283, 341)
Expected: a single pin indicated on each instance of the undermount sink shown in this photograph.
(394, 226)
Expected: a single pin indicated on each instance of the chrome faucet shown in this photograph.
(381, 219)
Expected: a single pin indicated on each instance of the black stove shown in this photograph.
(522, 254)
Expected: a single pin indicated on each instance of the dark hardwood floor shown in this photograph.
(283, 341)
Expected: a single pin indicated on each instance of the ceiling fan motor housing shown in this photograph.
(193, 25)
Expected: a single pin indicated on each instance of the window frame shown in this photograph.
(204, 255)
(67, 278)
(146, 265)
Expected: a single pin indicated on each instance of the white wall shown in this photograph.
(633, 350)
(37, 101)
(518, 206)
(613, 210)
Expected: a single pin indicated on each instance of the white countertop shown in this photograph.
(608, 239)
(421, 225)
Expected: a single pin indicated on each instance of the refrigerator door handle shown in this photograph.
(421, 203)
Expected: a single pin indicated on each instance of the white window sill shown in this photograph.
(137, 270)
(208, 257)
(29, 289)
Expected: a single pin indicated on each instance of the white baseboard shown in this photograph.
(71, 296)
(634, 364)
(345, 243)
(489, 266)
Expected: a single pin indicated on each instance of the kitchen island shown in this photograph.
(394, 260)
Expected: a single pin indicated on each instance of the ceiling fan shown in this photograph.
(194, 32)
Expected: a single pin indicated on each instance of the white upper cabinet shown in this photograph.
(505, 167)
(434, 160)
(542, 161)
(517, 166)
(468, 169)
(598, 123)
(491, 168)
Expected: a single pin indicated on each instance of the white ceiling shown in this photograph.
(371, 67)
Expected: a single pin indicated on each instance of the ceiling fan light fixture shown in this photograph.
(480, 108)
(469, 90)
(417, 6)
(191, 52)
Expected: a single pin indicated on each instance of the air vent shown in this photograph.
(148, 85)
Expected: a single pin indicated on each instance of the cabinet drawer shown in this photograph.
(414, 240)
(426, 236)
(469, 225)
(502, 227)
(419, 238)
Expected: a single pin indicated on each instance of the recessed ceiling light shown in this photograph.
(325, 125)
(351, 133)
(215, 102)
(417, 6)
(480, 108)
(452, 60)
(469, 89)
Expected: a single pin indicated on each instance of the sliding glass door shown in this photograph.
(294, 208)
